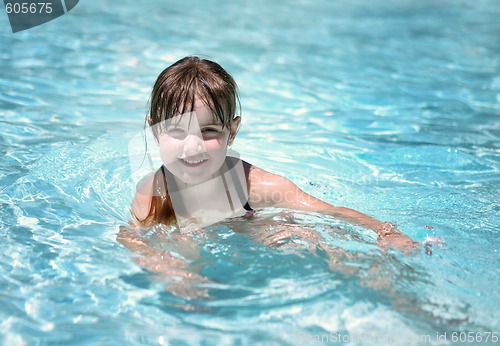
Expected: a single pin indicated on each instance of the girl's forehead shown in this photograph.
(204, 114)
(196, 118)
(201, 115)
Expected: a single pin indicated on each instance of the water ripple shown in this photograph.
(391, 108)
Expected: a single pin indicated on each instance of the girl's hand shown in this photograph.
(390, 236)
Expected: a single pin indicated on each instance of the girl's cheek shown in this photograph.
(213, 142)
(169, 149)
(220, 139)
(169, 143)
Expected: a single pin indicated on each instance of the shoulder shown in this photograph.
(259, 176)
(273, 190)
(265, 188)
(143, 195)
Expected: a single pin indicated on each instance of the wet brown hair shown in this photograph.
(174, 93)
(176, 88)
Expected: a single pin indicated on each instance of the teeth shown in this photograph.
(193, 162)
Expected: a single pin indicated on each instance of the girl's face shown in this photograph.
(194, 145)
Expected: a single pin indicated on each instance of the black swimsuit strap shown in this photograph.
(247, 207)
(238, 186)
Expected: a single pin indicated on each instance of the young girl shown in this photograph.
(192, 117)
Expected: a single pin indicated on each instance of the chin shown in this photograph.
(193, 176)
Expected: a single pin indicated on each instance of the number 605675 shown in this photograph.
(28, 7)
(474, 337)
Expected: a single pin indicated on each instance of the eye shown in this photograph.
(176, 132)
(210, 132)
(209, 129)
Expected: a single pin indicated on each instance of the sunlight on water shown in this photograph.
(390, 108)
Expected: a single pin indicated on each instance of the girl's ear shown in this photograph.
(150, 123)
(234, 130)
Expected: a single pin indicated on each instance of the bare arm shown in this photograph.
(271, 190)
(148, 257)
(180, 275)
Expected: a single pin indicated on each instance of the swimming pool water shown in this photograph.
(388, 107)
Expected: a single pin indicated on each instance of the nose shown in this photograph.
(193, 145)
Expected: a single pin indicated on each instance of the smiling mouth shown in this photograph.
(192, 162)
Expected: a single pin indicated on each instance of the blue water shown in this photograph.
(389, 107)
